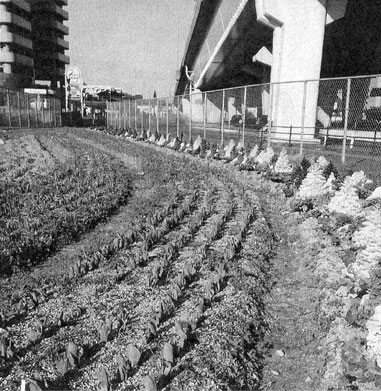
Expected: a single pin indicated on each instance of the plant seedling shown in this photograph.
(149, 383)
(123, 367)
(167, 358)
(63, 366)
(72, 354)
(180, 332)
(104, 384)
(104, 330)
(133, 355)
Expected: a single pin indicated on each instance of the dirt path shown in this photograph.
(295, 348)
(295, 359)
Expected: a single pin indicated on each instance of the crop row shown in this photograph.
(39, 214)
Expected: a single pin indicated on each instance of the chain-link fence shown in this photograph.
(23, 110)
(338, 118)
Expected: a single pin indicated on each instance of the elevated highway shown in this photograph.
(243, 42)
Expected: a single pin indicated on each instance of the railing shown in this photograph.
(23, 110)
(340, 118)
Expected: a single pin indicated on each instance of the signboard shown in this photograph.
(74, 82)
(74, 85)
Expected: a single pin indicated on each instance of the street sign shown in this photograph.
(74, 85)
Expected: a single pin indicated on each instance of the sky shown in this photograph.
(136, 45)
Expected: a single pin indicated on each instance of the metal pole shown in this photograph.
(19, 105)
(190, 116)
(303, 115)
(120, 115)
(27, 109)
(167, 117)
(43, 112)
(60, 112)
(244, 115)
(135, 115)
(149, 115)
(55, 112)
(157, 115)
(141, 109)
(204, 114)
(178, 117)
(124, 115)
(129, 113)
(108, 115)
(270, 120)
(346, 120)
(222, 117)
(9, 108)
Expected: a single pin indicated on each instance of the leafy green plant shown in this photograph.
(72, 353)
(123, 367)
(133, 355)
(149, 383)
(166, 360)
(103, 380)
(104, 329)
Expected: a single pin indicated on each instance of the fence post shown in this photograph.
(60, 112)
(9, 108)
(290, 137)
(303, 115)
(190, 116)
(43, 112)
(244, 115)
(49, 107)
(157, 115)
(135, 114)
(149, 115)
(27, 109)
(178, 117)
(55, 112)
(167, 116)
(129, 114)
(346, 120)
(141, 109)
(19, 105)
(204, 114)
(222, 117)
(270, 118)
(107, 115)
(124, 115)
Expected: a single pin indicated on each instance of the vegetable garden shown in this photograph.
(126, 268)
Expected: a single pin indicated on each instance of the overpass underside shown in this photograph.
(243, 42)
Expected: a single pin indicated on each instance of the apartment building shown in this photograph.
(16, 47)
(32, 42)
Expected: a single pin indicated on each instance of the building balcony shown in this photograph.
(7, 17)
(52, 24)
(52, 40)
(51, 8)
(15, 58)
(21, 4)
(53, 56)
(61, 42)
(61, 2)
(16, 39)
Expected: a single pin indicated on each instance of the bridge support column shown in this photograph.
(298, 34)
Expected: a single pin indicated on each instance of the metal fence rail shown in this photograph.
(339, 118)
(21, 110)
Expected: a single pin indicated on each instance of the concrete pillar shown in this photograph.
(298, 34)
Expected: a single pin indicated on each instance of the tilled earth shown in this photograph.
(297, 340)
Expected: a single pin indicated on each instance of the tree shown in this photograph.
(154, 94)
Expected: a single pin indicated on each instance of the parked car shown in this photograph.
(250, 122)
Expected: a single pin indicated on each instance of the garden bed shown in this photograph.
(191, 275)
